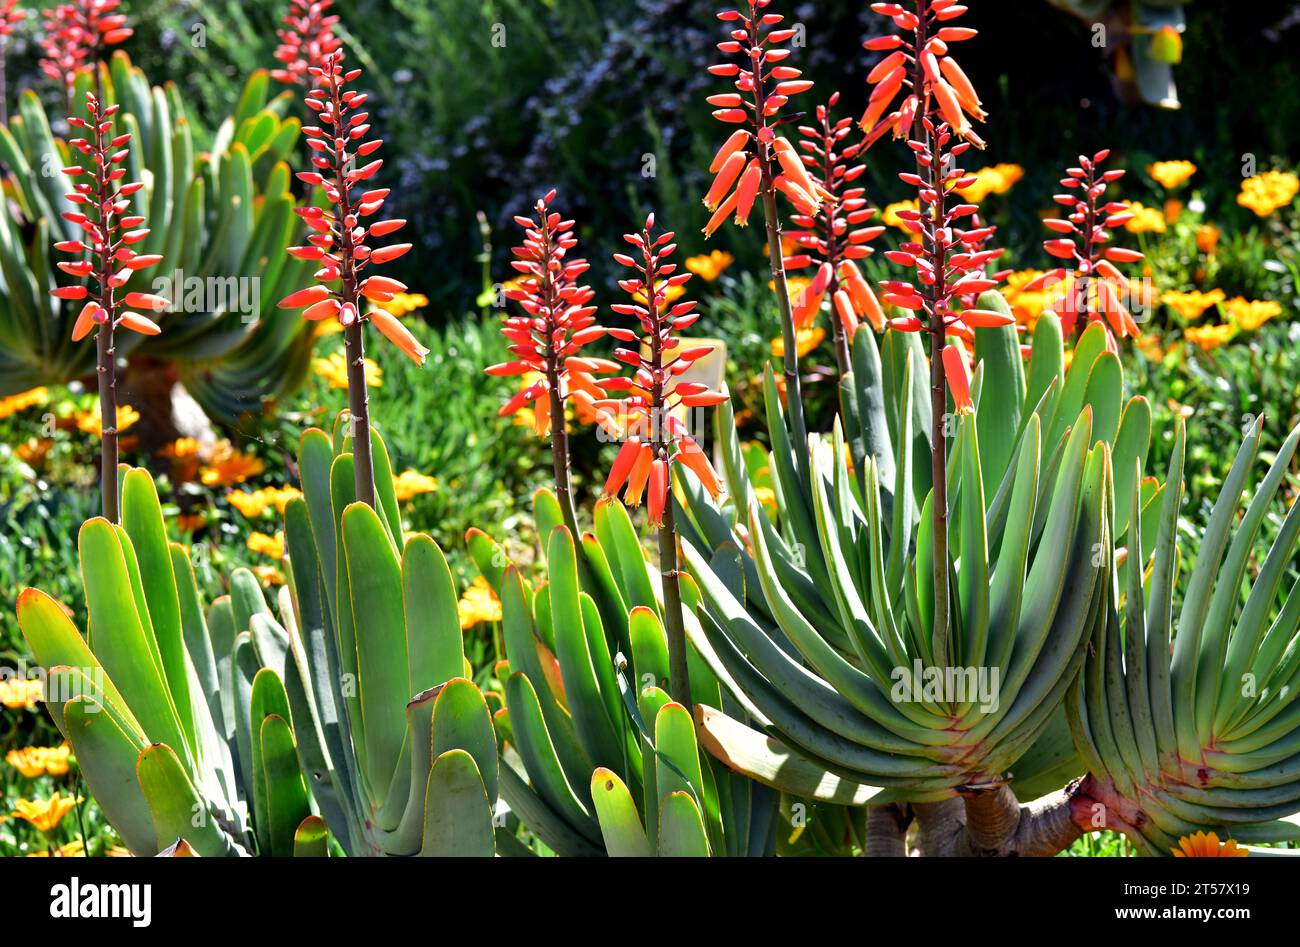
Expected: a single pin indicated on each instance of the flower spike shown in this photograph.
(340, 241)
(76, 36)
(835, 237)
(546, 341)
(306, 38)
(1092, 285)
(103, 256)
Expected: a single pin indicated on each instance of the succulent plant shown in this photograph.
(221, 219)
(596, 758)
(820, 623)
(1203, 734)
(402, 753)
(179, 719)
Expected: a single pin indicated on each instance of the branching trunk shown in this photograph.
(991, 822)
(887, 830)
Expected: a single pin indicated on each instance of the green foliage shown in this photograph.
(596, 758)
(221, 220)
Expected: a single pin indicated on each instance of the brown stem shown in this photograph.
(560, 455)
(990, 822)
(107, 375)
(887, 830)
(679, 683)
(931, 173)
(776, 261)
(359, 412)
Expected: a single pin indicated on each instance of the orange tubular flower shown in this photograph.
(102, 205)
(1093, 285)
(835, 237)
(306, 38)
(75, 37)
(547, 339)
(658, 437)
(339, 240)
(950, 262)
(933, 81)
(756, 156)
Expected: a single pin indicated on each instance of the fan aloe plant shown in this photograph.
(820, 622)
(180, 720)
(221, 218)
(403, 752)
(1206, 734)
(249, 730)
(596, 758)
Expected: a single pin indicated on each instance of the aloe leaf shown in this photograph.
(457, 816)
(620, 825)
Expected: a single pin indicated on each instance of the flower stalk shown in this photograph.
(546, 340)
(104, 257)
(763, 162)
(1091, 286)
(657, 436)
(340, 243)
(935, 116)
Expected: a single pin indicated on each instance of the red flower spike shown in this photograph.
(755, 160)
(108, 261)
(341, 240)
(76, 36)
(1089, 285)
(558, 321)
(656, 437)
(832, 238)
(306, 38)
(919, 65)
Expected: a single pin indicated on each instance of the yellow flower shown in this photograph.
(34, 450)
(1265, 193)
(268, 575)
(478, 604)
(1250, 314)
(795, 286)
(409, 484)
(709, 266)
(995, 180)
(890, 213)
(90, 422)
(334, 369)
(21, 694)
(805, 341)
(1201, 845)
(74, 849)
(403, 304)
(35, 398)
(45, 814)
(272, 546)
(256, 502)
(227, 466)
(1145, 219)
(1191, 305)
(766, 496)
(1207, 238)
(1171, 175)
(670, 293)
(1209, 337)
(33, 761)
(183, 448)
(1150, 346)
